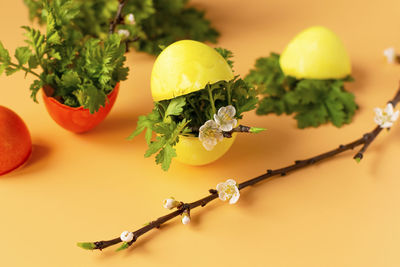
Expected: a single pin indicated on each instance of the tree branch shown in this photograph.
(238, 129)
(369, 137)
(118, 17)
(365, 140)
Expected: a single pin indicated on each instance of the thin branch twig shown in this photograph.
(118, 17)
(365, 140)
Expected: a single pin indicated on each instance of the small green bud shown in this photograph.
(86, 245)
(257, 130)
(357, 159)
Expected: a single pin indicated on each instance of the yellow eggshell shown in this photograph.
(316, 53)
(185, 67)
(190, 150)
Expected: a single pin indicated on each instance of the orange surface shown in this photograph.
(95, 185)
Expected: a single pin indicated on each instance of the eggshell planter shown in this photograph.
(77, 120)
(190, 150)
(15, 141)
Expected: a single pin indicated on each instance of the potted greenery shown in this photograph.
(79, 75)
(147, 25)
(198, 103)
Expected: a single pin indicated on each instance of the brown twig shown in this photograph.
(369, 137)
(238, 129)
(118, 17)
(365, 140)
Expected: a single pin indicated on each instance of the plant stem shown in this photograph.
(365, 140)
(229, 89)
(211, 99)
(25, 69)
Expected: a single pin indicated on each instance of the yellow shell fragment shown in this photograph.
(185, 67)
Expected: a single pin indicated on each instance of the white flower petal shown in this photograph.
(390, 54)
(378, 111)
(389, 109)
(231, 111)
(378, 120)
(185, 219)
(222, 196)
(387, 124)
(230, 182)
(226, 127)
(234, 198)
(228, 191)
(395, 116)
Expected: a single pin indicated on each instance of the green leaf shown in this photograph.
(10, 70)
(4, 55)
(33, 62)
(157, 22)
(155, 146)
(148, 122)
(34, 88)
(70, 79)
(165, 156)
(313, 102)
(175, 107)
(123, 246)
(87, 245)
(94, 98)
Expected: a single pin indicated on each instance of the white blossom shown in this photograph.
(185, 217)
(385, 118)
(123, 33)
(126, 236)
(130, 19)
(228, 191)
(210, 134)
(170, 203)
(226, 118)
(390, 54)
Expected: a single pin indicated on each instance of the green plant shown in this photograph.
(155, 22)
(314, 102)
(184, 115)
(80, 69)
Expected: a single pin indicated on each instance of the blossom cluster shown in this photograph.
(211, 132)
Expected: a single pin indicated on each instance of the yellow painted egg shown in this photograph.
(316, 53)
(184, 67)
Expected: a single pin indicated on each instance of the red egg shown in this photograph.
(15, 141)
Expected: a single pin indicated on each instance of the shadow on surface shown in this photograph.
(35, 162)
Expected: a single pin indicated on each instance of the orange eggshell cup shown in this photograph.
(77, 120)
(15, 141)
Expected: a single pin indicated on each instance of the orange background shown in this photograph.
(93, 186)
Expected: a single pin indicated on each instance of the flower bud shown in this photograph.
(130, 19)
(126, 236)
(185, 217)
(170, 203)
(123, 33)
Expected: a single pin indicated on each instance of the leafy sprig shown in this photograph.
(314, 102)
(80, 70)
(157, 22)
(185, 114)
